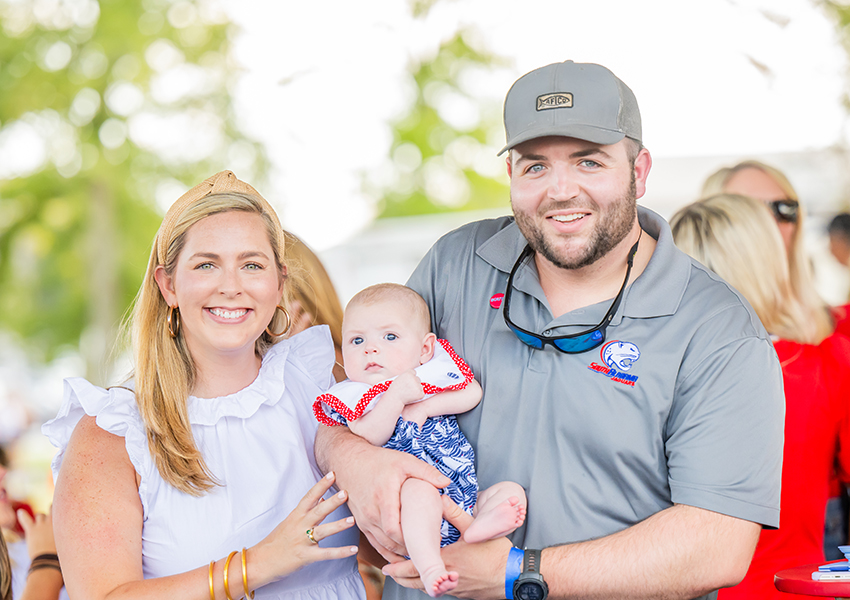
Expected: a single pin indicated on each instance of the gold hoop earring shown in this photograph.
(285, 329)
(173, 321)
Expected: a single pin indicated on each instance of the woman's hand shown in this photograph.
(38, 532)
(289, 547)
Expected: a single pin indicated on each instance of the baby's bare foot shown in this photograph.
(496, 522)
(438, 582)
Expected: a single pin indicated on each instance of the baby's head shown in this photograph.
(386, 330)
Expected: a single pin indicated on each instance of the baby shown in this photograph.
(391, 355)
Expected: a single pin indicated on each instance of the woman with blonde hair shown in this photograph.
(735, 237)
(763, 182)
(196, 479)
(312, 297)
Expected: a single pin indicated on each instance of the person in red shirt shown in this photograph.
(736, 238)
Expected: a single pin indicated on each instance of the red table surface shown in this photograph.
(798, 580)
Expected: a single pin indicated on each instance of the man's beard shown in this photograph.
(611, 229)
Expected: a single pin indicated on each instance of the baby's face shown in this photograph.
(381, 341)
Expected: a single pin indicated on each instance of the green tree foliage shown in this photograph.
(104, 106)
(840, 13)
(439, 160)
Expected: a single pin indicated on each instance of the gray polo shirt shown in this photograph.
(682, 404)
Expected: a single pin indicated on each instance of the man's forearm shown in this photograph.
(329, 441)
(681, 552)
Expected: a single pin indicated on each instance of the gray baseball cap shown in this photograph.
(579, 100)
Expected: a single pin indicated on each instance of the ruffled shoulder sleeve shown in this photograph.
(313, 350)
(115, 411)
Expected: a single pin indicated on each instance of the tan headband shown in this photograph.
(219, 183)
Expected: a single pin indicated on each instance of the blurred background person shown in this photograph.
(768, 184)
(765, 183)
(29, 566)
(312, 297)
(839, 238)
(735, 237)
(839, 242)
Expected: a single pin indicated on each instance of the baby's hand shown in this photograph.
(407, 387)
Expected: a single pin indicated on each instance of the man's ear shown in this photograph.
(427, 348)
(166, 285)
(508, 163)
(643, 163)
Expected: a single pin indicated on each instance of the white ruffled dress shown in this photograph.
(258, 442)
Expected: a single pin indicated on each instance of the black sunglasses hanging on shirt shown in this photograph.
(574, 343)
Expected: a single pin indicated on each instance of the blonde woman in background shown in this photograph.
(769, 185)
(735, 237)
(196, 479)
(312, 297)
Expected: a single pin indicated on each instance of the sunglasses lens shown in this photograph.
(528, 340)
(582, 343)
(785, 210)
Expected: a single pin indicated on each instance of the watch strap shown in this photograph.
(531, 576)
(531, 561)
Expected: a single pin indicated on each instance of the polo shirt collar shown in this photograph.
(657, 292)
(503, 249)
(660, 288)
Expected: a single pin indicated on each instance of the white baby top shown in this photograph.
(444, 372)
(258, 442)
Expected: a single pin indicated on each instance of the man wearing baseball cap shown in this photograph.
(632, 393)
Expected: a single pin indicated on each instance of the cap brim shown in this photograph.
(588, 133)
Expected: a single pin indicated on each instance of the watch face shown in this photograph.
(529, 590)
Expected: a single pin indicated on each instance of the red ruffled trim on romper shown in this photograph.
(352, 415)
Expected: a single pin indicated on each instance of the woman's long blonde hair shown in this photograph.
(164, 370)
(799, 265)
(737, 238)
(5, 571)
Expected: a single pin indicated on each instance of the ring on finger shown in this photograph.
(310, 535)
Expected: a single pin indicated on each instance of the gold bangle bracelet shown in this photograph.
(249, 595)
(226, 567)
(212, 586)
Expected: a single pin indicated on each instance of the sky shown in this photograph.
(713, 78)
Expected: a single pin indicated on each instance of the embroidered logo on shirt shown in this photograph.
(617, 358)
